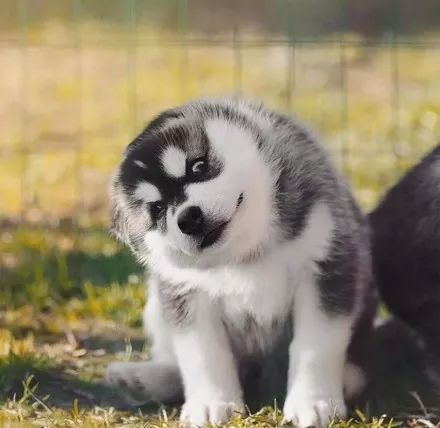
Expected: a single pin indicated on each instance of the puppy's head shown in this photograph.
(195, 186)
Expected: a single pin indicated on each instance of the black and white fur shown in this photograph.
(276, 247)
(406, 253)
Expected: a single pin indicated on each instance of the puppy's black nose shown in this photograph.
(190, 220)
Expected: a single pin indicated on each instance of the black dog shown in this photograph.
(406, 253)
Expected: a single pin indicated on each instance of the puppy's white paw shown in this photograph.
(144, 381)
(128, 381)
(312, 411)
(116, 373)
(196, 413)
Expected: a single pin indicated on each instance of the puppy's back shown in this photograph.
(406, 251)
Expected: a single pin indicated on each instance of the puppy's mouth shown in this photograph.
(215, 234)
(240, 200)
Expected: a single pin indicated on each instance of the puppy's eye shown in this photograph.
(198, 167)
(156, 208)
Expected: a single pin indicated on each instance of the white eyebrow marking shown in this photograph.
(174, 161)
(147, 192)
(140, 164)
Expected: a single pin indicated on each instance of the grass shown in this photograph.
(71, 298)
(61, 323)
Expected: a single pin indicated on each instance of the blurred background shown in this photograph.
(80, 78)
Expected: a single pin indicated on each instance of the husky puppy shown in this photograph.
(250, 236)
(406, 253)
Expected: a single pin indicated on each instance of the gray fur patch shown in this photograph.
(337, 279)
(177, 307)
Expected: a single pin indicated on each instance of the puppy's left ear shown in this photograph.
(155, 124)
(126, 226)
(119, 226)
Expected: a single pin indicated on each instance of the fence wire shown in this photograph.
(56, 161)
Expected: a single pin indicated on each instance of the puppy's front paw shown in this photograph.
(196, 413)
(312, 411)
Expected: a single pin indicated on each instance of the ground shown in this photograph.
(72, 302)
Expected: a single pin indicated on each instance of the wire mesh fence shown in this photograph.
(80, 78)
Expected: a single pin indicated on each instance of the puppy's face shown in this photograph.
(195, 189)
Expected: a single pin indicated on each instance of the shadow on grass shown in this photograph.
(54, 387)
(77, 267)
(47, 265)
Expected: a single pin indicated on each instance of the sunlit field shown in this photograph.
(70, 296)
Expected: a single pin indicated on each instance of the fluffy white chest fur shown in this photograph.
(264, 288)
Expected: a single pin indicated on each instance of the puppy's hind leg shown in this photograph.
(157, 379)
(140, 382)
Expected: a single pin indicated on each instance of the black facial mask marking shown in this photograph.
(143, 163)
